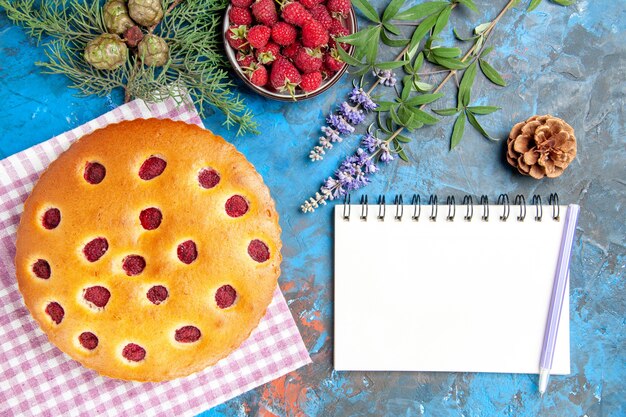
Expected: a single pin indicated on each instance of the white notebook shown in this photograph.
(457, 295)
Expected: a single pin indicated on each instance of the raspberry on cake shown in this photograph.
(149, 250)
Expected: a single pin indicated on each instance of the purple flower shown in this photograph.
(353, 115)
(331, 134)
(387, 77)
(339, 123)
(359, 96)
(370, 142)
(386, 155)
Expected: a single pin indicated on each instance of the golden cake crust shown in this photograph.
(111, 209)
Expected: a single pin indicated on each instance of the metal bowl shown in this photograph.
(268, 91)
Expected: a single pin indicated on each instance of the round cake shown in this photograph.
(149, 250)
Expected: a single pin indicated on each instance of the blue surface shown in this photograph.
(565, 61)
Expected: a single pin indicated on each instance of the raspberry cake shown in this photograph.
(149, 250)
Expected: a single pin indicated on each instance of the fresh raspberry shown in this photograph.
(320, 13)
(309, 4)
(97, 295)
(337, 31)
(225, 296)
(133, 352)
(41, 269)
(314, 34)
(308, 60)
(187, 252)
(157, 294)
(269, 53)
(187, 334)
(208, 177)
(284, 76)
(296, 14)
(258, 36)
(244, 60)
(95, 249)
(236, 206)
(311, 81)
(241, 3)
(339, 7)
(133, 265)
(94, 172)
(88, 340)
(55, 311)
(237, 36)
(258, 251)
(283, 33)
(239, 16)
(290, 51)
(332, 61)
(265, 12)
(150, 218)
(51, 218)
(257, 74)
(152, 168)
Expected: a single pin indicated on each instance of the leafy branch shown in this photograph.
(192, 30)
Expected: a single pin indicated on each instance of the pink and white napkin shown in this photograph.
(38, 379)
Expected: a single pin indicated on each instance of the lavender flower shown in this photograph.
(331, 134)
(341, 124)
(370, 142)
(385, 155)
(359, 96)
(387, 77)
(353, 115)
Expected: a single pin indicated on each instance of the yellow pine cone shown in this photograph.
(116, 17)
(145, 12)
(106, 52)
(542, 146)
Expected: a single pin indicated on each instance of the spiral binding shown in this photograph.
(468, 202)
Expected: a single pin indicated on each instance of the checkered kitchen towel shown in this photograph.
(38, 379)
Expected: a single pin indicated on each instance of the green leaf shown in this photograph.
(423, 99)
(403, 139)
(533, 5)
(449, 63)
(459, 37)
(367, 10)
(390, 64)
(421, 86)
(486, 51)
(421, 10)
(491, 73)
(392, 28)
(406, 116)
(371, 49)
(402, 155)
(392, 10)
(407, 88)
(474, 122)
(419, 33)
(564, 2)
(385, 105)
(424, 117)
(394, 116)
(469, 4)
(478, 30)
(446, 112)
(359, 38)
(362, 71)
(394, 43)
(483, 109)
(446, 52)
(457, 131)
(389, 124)
(467, 81)
(347, 58)
(419, 61)
(442, 20)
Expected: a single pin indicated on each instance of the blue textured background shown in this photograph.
(569, 62)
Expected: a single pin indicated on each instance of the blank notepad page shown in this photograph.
(466, 296)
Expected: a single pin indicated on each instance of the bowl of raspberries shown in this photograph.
(287, 49)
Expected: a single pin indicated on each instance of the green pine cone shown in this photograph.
(153, 50)
(106, 52)
(146, 12)
(116, 17)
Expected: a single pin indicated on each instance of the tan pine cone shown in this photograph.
(542, 146)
